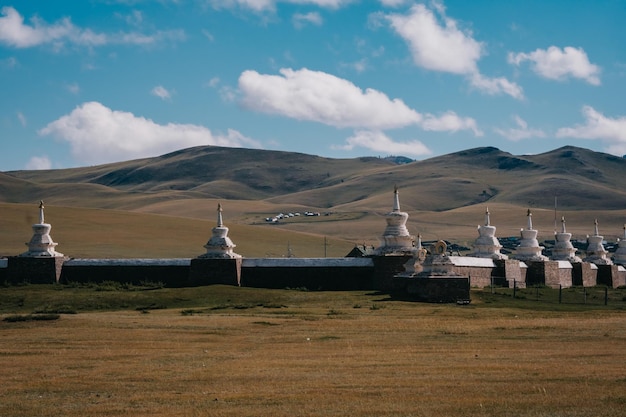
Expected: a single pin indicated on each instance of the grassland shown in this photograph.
(226, 351)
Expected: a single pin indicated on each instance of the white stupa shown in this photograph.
(563, 249)
(619, 257)
(528, 248)
(487, 245)
(220, 246)
(396, 238)
(596, 254)
(41, 244)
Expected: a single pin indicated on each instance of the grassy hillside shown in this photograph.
(445, 197)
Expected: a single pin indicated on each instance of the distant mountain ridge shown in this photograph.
(580, 178)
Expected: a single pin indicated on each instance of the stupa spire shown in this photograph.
(563, 249)
(396, 199)
(595, 249)
(41, 244)
(41, 216)
(528, 248)
(487, 244)
(396, 239)
(220, 245)
(220, 222)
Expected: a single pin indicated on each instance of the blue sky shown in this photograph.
(96, 81)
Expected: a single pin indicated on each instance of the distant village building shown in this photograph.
(528, 248)
(563, 249)
(396, 238)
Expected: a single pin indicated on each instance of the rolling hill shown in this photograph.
(443, 195)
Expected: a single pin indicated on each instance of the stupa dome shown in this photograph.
(41, 244)
(487, 245)
(528, 248)
(596, 253)
(563, 249)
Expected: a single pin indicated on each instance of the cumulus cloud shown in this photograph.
(302, 19)
(559, 64)
(437, 43)
(521, 131)
(494, 86)
(97, 134)
(161, 92)
(599, 127)
(434, 45)
(18, 34)
(321, 97)
(450, 122)
(377, 141)
(39, 162)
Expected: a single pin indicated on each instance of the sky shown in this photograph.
(96, 81)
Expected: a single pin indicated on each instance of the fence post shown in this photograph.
(585, 294)
(606, 295)
(560, 293)
(514, 287)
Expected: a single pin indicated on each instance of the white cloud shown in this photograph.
(14, 32)
(599, 127)
(302, 19)
(73, 88)
(22, 118)
(161, 92)
(558, 64)
(434, 45)
(393, 3)
(39, 162)
(494, 86)
(270, 5)
(213, 82)
(379, 142)
(438, 44)
(521, 131)
(97, 134)
(450, 122)
(321, 97)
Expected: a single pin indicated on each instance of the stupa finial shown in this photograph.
(220, 223)
(487, 222)
(530, 220)
(563, 225)
(595, 228)
(396, 199)
(41, 217)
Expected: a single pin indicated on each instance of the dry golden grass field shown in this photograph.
(227, 351)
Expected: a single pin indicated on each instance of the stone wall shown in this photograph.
(610, 276)
(584, 274)
(328, 274)
(170, 272)
(432, 290)
(33, 270)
